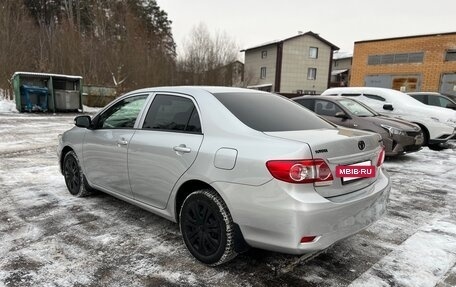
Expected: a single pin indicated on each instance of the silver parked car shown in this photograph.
(234, 167)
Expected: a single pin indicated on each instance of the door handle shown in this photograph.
(122, 142)
(182, 148)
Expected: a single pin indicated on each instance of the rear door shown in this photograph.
(164, 148)
(105, 146)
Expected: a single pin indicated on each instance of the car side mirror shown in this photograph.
(388, 107)
(83, 121)
(341, 115)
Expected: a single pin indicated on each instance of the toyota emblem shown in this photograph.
(361, 145)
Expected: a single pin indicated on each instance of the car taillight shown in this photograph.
(301, 171)
(381, 157)
(307, 239)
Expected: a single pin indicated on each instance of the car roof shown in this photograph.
(331, 98)
(390, 95)
(192, 89)
(426, 93)
(361, 90)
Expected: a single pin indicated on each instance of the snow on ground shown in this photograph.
(6, 106)
(49, 238)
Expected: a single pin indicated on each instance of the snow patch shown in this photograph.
(422, 260)
(147, 268)
(6, 106)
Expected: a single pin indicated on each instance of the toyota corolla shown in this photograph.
(233, 167)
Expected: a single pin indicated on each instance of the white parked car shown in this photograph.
(438, 124)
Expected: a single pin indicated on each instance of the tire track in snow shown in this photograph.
(423, 259)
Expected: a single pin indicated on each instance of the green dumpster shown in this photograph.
(47, 92)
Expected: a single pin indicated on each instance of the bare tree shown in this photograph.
(205, 58)
(17, 40)
(127, 44)
(249, 79)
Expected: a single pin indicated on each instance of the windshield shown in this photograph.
(357, 108)
(270, 113)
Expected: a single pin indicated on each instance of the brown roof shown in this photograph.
(407, 37)
(309, 33)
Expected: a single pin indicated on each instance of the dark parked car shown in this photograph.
(434, 99)
(399, 136)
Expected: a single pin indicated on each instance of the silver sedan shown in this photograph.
(234, 167)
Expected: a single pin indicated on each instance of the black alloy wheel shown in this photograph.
(74, 178)
(207, 228)
(72, 174)
(202, 228)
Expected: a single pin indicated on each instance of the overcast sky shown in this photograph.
(252, 22)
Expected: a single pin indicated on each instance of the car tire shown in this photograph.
(437, 147)
(74, 177)
(207, 228)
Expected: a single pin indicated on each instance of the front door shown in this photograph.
(105, 146)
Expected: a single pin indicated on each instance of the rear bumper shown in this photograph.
(276, 215)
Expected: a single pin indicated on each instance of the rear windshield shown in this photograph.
(270, 113)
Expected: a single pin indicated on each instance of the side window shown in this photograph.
(420, 97)
(123, 114)
(326, 108)
(309, 104)
(375, 97)
(172, 113)
(438, 101)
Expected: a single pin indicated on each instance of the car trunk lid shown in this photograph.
(339, 147)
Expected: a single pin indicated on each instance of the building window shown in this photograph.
(402, 58)
(313, 52)
(311, 73)
(450, 55)
(416, 57)
(336, 63)
(374, 60)
(264, 54)
(263, 72)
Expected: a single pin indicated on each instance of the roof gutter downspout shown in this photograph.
(330, 67)
(278, 72)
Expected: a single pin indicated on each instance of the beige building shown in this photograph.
(297, 65)
(341, 67)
